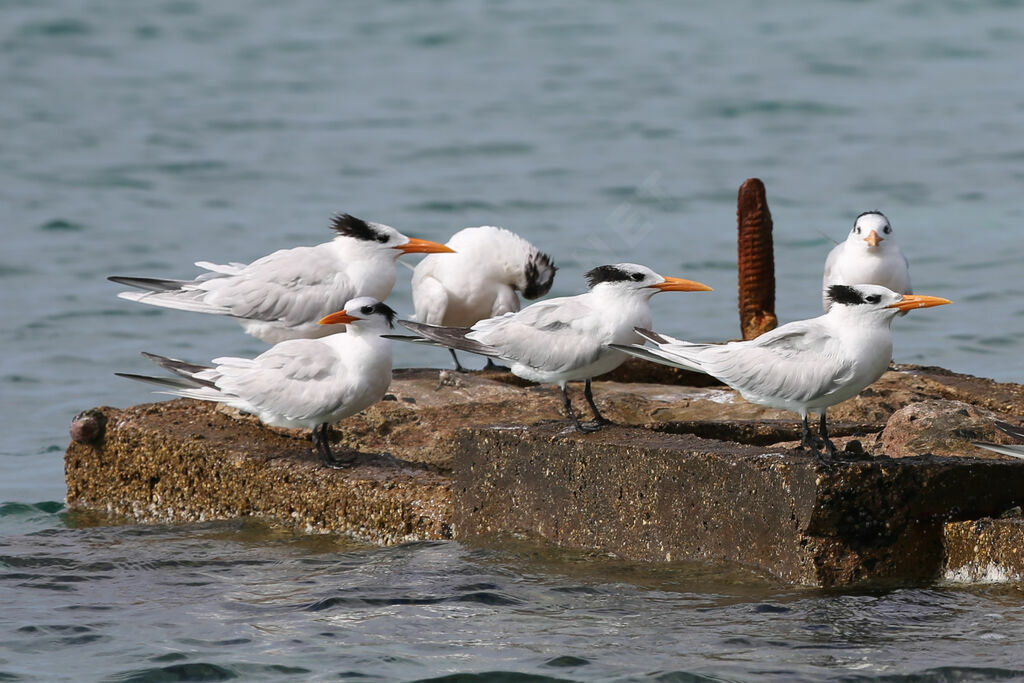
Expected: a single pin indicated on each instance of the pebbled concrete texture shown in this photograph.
(183, 461)
(985, 550)
(690, 471)
(648, 496)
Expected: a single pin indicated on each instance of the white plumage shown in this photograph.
(568, 338)
(480, 280)
(282, 295)
(869, 256)
(297, 383)
(803, 366)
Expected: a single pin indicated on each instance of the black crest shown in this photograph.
(350, 226)
(540, 273)
(869, 213)
(606, 274)
(383, 309)
(845, 294)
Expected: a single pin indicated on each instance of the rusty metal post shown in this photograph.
(755, 260)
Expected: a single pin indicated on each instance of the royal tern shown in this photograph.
(298, 383)
(283, 295)
(1016, 451)
(869, 256)
(803, 366)
(565, 339)
(480, 280)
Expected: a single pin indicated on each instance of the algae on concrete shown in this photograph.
(693, 472)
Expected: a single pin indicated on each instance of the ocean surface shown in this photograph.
(138, 138)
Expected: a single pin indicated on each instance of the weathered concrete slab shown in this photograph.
(654, 496)
(985, 551)
(700, 473)
(185, 461)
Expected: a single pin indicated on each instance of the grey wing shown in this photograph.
(292, 286)
(557, 334)
(297, 378)
(796, 362)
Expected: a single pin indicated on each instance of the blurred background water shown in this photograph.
(141, 137)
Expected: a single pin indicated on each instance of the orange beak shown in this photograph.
(339, 318)
(418, 246)
(678, 284)
(910, 301)
(873, 239)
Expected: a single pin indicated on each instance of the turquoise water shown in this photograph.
(140, 137)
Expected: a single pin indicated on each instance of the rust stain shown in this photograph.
(755, 260)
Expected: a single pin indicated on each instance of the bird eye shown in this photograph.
(382, 238)
(856, 230)
(366, 310)
(873, 299)
(637, 277)
(887, 230)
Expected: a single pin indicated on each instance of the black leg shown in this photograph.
(322, 441)
(491, 365)
(599, 419)
(318, 443)
(806, 438)
(830, 448)
(580, 427)
(458, 365)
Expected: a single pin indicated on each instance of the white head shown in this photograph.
(870, 230)
(380, 236)
(876, 301)
(363, 314)
(640, 280)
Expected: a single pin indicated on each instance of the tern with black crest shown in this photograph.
(310, 383)
(868, 256)
(490, 268)
(567, 339)
(283, 295)
(803, 366)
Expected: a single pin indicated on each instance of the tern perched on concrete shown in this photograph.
(480, 280)
(803, 366)
(297, 383)
(1016, 451)
(869, 256)
(283, 295)
(567, 338)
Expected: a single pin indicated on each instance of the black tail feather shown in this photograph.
(171, 382)
(452, 337)
(650, 335)
(182, 369)
(149, 284)
(1013, 430)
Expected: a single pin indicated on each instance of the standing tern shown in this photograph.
(869, 256)
(1015, 451)
(568, 338)
(298, 383)
(803, 366)
(481, 280)
(283, 295)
